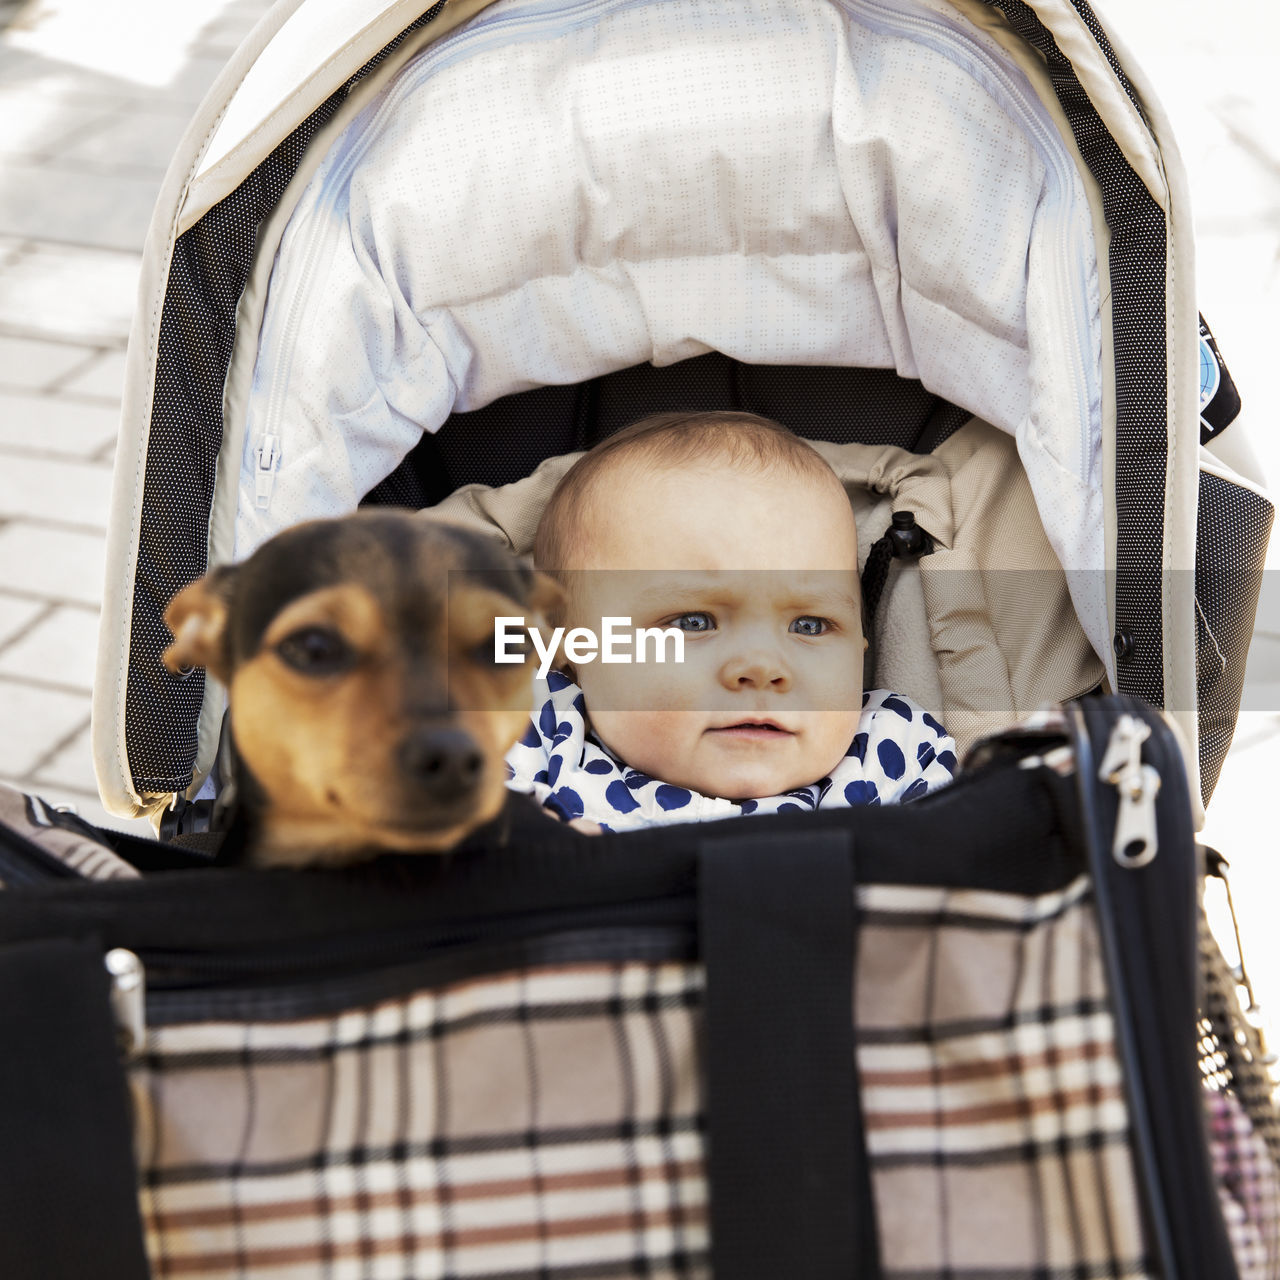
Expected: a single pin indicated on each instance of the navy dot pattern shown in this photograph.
(900, 752)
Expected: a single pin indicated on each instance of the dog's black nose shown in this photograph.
(445, 760)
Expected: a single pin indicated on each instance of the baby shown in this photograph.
(766, 712)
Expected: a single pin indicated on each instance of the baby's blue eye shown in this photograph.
(694, 622)
(810, 626)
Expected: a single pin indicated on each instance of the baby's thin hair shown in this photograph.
(669, 441)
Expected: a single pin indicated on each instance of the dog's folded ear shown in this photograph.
(197, 616)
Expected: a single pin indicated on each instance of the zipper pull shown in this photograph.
(1135, 841)
(264, 474)
(128, 999)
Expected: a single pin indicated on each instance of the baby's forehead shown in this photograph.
(766, 588)
(640, 480)
(641, 493)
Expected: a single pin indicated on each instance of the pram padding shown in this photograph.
(953, 630)
(922, 216)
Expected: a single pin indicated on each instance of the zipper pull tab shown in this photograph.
(128, 999)
(264, 474)
(1135, 842)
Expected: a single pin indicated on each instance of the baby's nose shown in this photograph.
(756, 669)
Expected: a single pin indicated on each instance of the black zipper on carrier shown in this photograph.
(1145, 887)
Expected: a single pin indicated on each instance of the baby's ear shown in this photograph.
(546, 598)
(197, 616)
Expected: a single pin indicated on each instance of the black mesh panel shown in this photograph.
(208, 272)
(1137, 280)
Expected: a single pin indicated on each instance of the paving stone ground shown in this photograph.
(93, 100)
(94, 94)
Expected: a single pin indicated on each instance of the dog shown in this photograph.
(368, 711)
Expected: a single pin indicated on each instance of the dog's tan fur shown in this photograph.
(326, 750)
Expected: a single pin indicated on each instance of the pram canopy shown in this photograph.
(400, 252)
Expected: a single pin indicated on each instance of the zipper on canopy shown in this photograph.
(1072, 314)
(267, 449)
(268, 436)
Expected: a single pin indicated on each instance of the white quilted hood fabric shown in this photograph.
(558, 190)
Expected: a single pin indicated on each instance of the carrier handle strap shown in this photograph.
(790, 1192)
(68, 1183)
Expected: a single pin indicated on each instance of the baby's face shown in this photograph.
(760, 573)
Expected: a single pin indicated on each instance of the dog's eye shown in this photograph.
(515, 646)
(315, 651)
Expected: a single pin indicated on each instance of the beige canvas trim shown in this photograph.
(240, 156)
(1234, 450)
(1122, 118)
(1215, 466)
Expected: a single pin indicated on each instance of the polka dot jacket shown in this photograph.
(900, 752)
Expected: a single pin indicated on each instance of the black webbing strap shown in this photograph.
(68, 1188)
(789, 1187)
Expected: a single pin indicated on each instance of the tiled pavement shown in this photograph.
(93, 100)
(93, 97)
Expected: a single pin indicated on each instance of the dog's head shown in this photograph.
(367, 705)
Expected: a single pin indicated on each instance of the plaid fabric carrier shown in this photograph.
(560, 1056)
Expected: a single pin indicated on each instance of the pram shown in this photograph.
(407, 257)
(883, 284)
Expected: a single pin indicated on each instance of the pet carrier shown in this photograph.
(563, 1055)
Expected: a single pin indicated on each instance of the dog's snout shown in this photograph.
(445, 760)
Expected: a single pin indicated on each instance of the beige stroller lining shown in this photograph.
(981, 631)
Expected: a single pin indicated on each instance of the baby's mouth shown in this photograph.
(756, 730)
